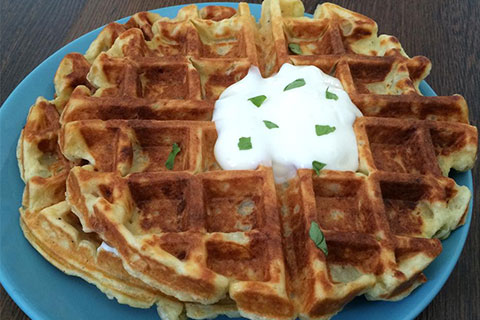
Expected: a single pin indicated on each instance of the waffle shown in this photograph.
(199, 241)
(53, 230)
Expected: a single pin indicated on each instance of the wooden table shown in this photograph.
(446, 31)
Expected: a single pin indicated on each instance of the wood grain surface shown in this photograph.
(446, 31)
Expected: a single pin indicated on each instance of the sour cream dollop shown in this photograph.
(107, 248)
(302, 114)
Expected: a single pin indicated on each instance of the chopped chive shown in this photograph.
(258, 100)
(318, 237)
(171, 157)
(295, 84)
(244, 143)
(270, 125)
(330, 95)
(322, 130)
(295, 48)
(317, 166)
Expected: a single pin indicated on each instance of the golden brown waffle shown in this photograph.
(379, 77)
(206, 230)
(44, 169)
(226, 240)
(54, 231)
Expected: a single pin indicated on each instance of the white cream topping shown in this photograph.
(107, 248)
(295, 143)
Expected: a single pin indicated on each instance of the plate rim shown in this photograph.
(32, 311)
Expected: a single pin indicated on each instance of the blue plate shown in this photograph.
(44, 292)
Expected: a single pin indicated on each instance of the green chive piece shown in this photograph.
(270, 125)
(317, 166)
(171, 157)
(330, 95)
(245, 143)
(258, 100)
(322, 130)
(318, 237)
(295, 48)
(295, 84)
